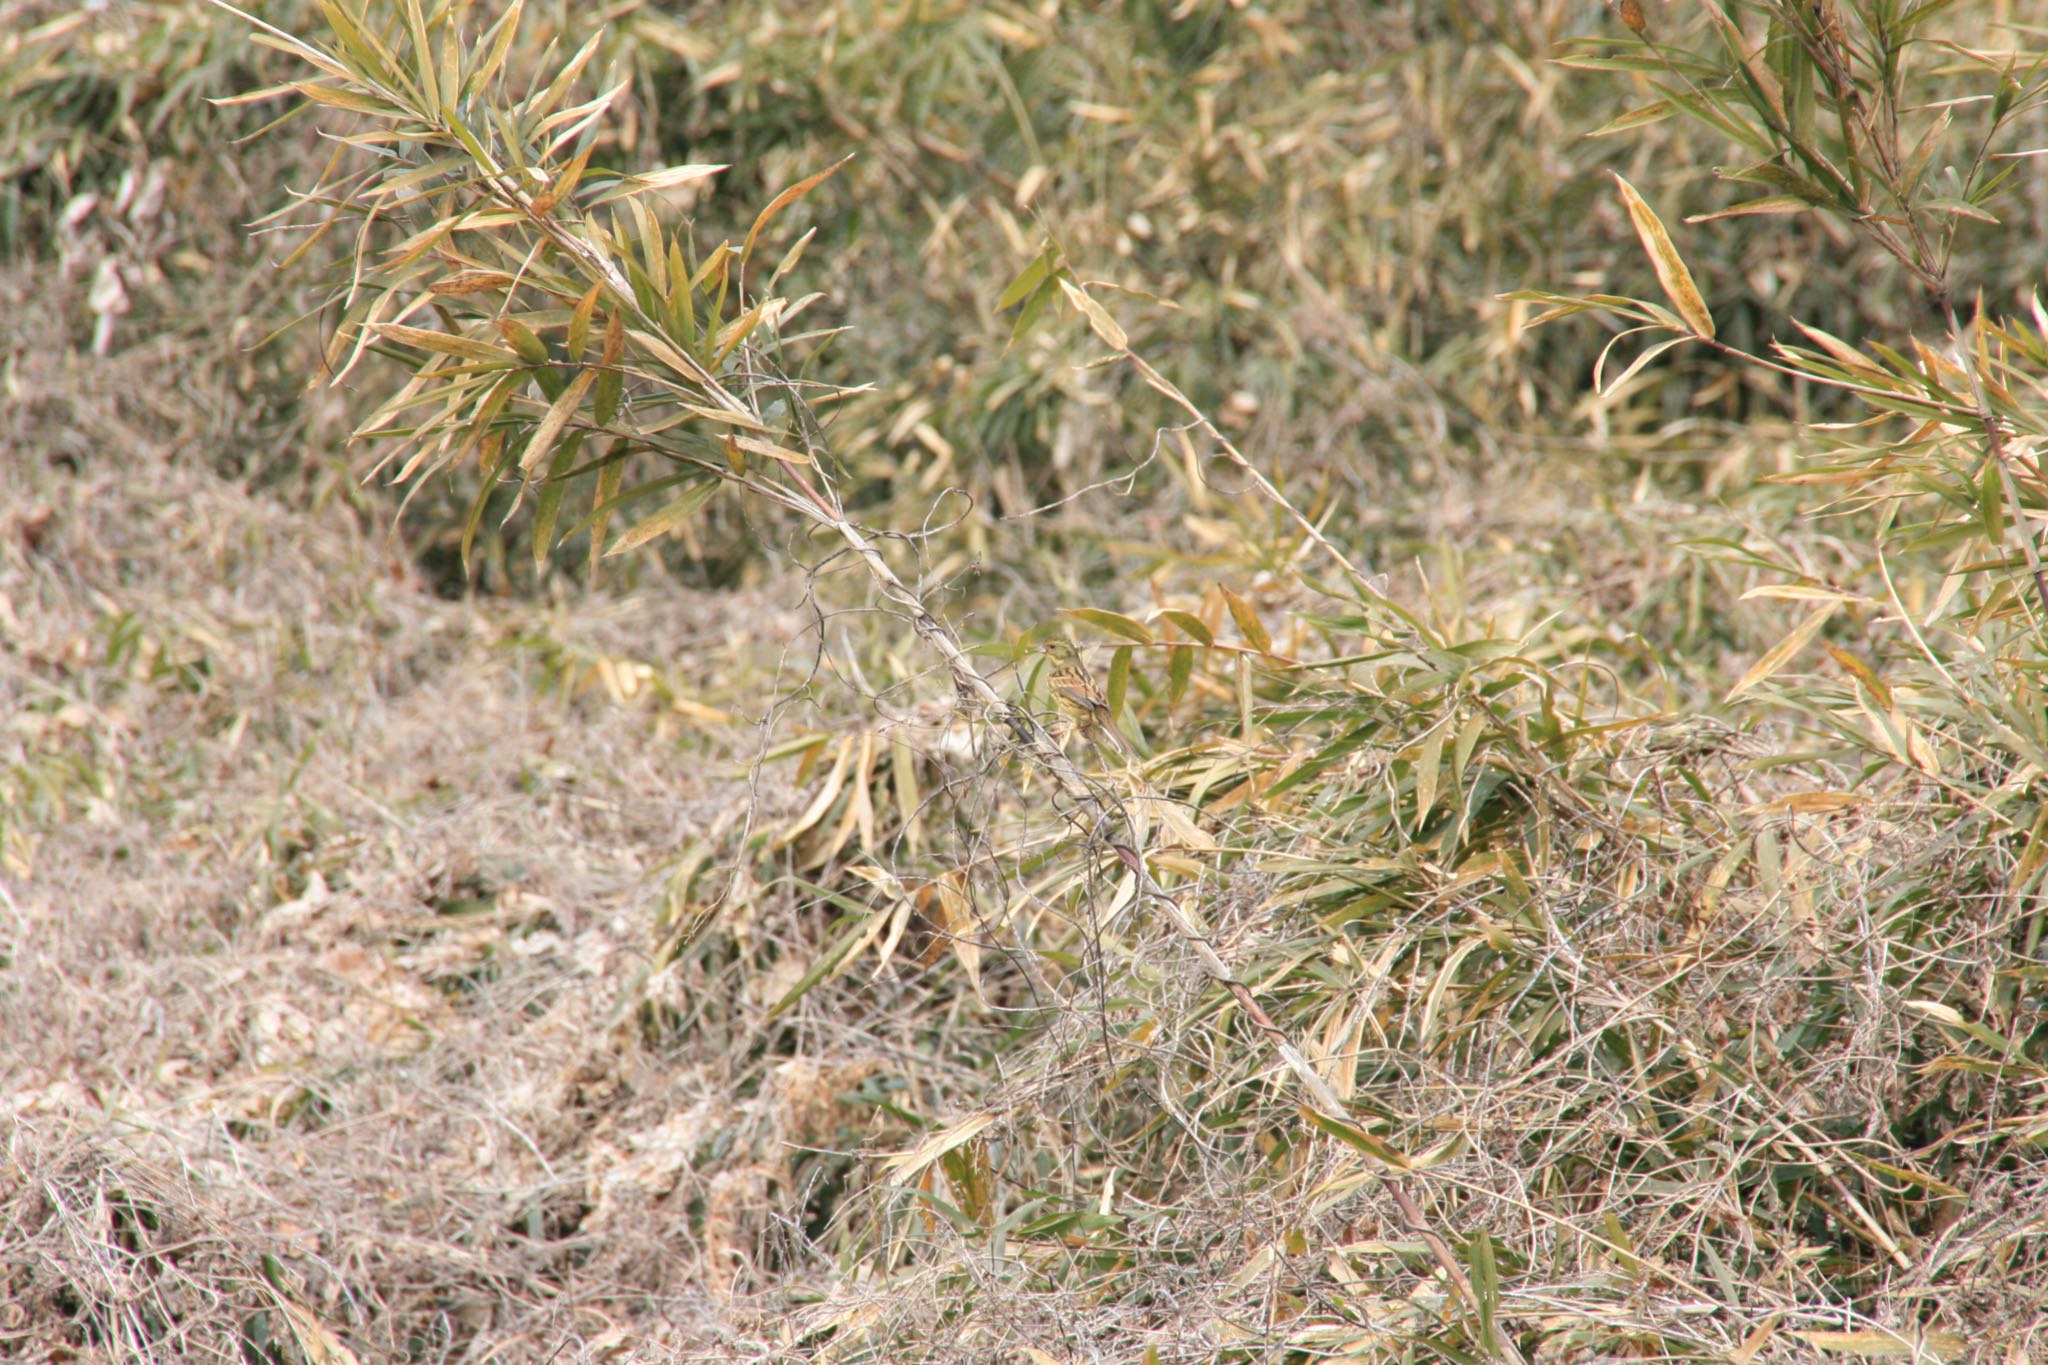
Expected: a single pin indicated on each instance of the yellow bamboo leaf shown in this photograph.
(550, 429)
(446, 343)
(1883, 1345)
(822, 802)
(1670, 266)
(667, 519)
(1811, 803)
(962, 925)
(1248, 623)
(472, 282)
(785, 199)
(1099, 321)
(1797, 592)
(1754, 1342)
(770, 449)
(1781, 653)
(316, 1341)
(343, 99)
(905, 1167)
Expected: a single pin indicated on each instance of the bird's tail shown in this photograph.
(1114, 738)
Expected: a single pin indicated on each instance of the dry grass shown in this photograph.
(323, 911)
(342, 954)
(536, 970)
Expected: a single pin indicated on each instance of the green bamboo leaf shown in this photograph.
(1353, 740)
(1654, 65)
(549, 505)
(1195, 628)
(1355, 1137)
(377, 61)
(524, 340)
(601, 500)
(1113, 622)
(1034, 308)
(854, 928)
(1429, 766)
(1180, 667)
(1991, 502)
(1485, 1276)
(1774, 176)
(1029, 278)
(639, 492)
(497, 455)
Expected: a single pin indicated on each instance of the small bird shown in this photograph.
(1078, 698)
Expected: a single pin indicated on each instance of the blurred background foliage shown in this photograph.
(1656, 867)
(1314, 212)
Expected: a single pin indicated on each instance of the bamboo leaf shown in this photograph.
(1099, 321)
(549, 507)
(579, 322)
(667, 519)
(1770, 204)
(1485, 1288)
(784, 200)
(352, 100)
(1180, 667)
(905, 1167)
(1113, 622)
(445, 343)
(1670, 267)
(496, 455)
(1357, 1138)
(1029, 279)
(1880, 1344)
(669, 178)
(472, 282)
(1248, 624)
(500, 37)
(1781, 653)
(602, 500)
(524, 340)
(1635, 118)
(1429, 765)
(558, 414)
(1196, 628)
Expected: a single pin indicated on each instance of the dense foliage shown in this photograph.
(1555, 490)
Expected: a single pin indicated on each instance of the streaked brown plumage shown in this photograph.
(1079, 699)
